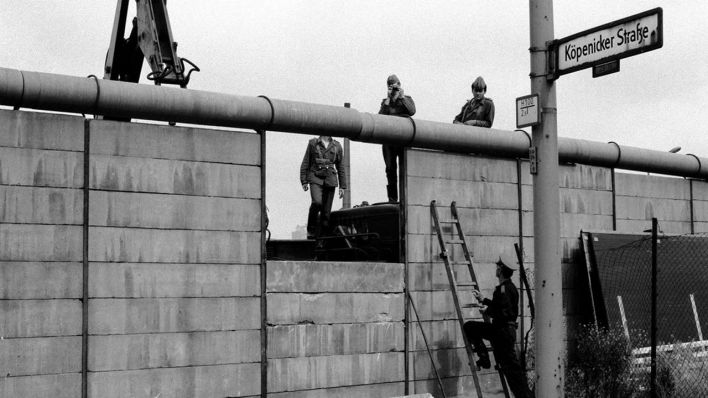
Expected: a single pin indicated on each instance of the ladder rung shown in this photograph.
(460, 263)
(466, 284)
(454, 241)
(447, 221)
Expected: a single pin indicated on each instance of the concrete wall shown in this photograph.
(172, 259)
(495, 202)
(159, 228)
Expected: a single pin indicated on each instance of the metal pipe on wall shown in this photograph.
(63, 93)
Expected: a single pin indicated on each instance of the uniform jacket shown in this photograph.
(323, 166)
(482, 110)
(401, 107)
(504, 305)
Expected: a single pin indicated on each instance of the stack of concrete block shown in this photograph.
(335, 329)
(175, 250)
(41, 217)
(486, 194)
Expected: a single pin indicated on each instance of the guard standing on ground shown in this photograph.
(503, 308)
(479, 111)
(321, 171)
(397, 104)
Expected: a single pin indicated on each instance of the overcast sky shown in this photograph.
(332, 52)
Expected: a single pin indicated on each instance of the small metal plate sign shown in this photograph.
(528, 113)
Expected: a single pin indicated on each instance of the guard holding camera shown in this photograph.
(320, 172)
(396, 104)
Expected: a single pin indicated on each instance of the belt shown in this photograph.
(509, 323)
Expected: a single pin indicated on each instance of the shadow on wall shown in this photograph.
(448, 364)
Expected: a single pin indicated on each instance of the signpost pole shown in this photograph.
(546, 216)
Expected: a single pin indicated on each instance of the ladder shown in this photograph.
(445, 255)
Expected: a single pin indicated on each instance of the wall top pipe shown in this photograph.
(63, 93)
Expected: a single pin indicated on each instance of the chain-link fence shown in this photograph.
(625, 272)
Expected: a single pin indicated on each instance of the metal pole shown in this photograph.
(654, 293)
(546, 215)
(347, 200)
(52, 92)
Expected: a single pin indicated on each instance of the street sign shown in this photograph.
(612, 41)
(528, 113)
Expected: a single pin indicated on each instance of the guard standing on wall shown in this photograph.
(503, 308)
(397, 104)
(320, 172)
(479, 111)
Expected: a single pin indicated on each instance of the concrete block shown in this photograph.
(467, 193)
(177, 143)
(640, 185)
(66, 385)
(200, 381)
(440, 335)
(425, 248)
(41, 168)
(584, 201)
(284, 309)
(574, 200)
(126, 209)
(700, 227)
(473, 221)
(581, 176)
(527, 197)
(126, 316)
(40, 318)
(171, 350)
(30, 205)
(667, 227)
(173, 246)
(465, 167)
(448, 362)
(635, 208)
(700, 211)
(40, 356)
(339, 339)
(174, 177)
(700, 190)
(571, 224)
(319, 276)
(433, 276)
(439, 305)
(293, 374)
(23, 242)
(36, 130)
(137, 280)
(365, 391)
(28, 280)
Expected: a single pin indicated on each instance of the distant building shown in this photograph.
(299, 233)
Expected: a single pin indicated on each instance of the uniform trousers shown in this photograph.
(390, 154)
(320, 208)
(502, 338)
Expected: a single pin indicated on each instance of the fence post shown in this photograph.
(654, 237)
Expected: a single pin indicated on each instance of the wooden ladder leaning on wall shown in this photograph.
(444, 254)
